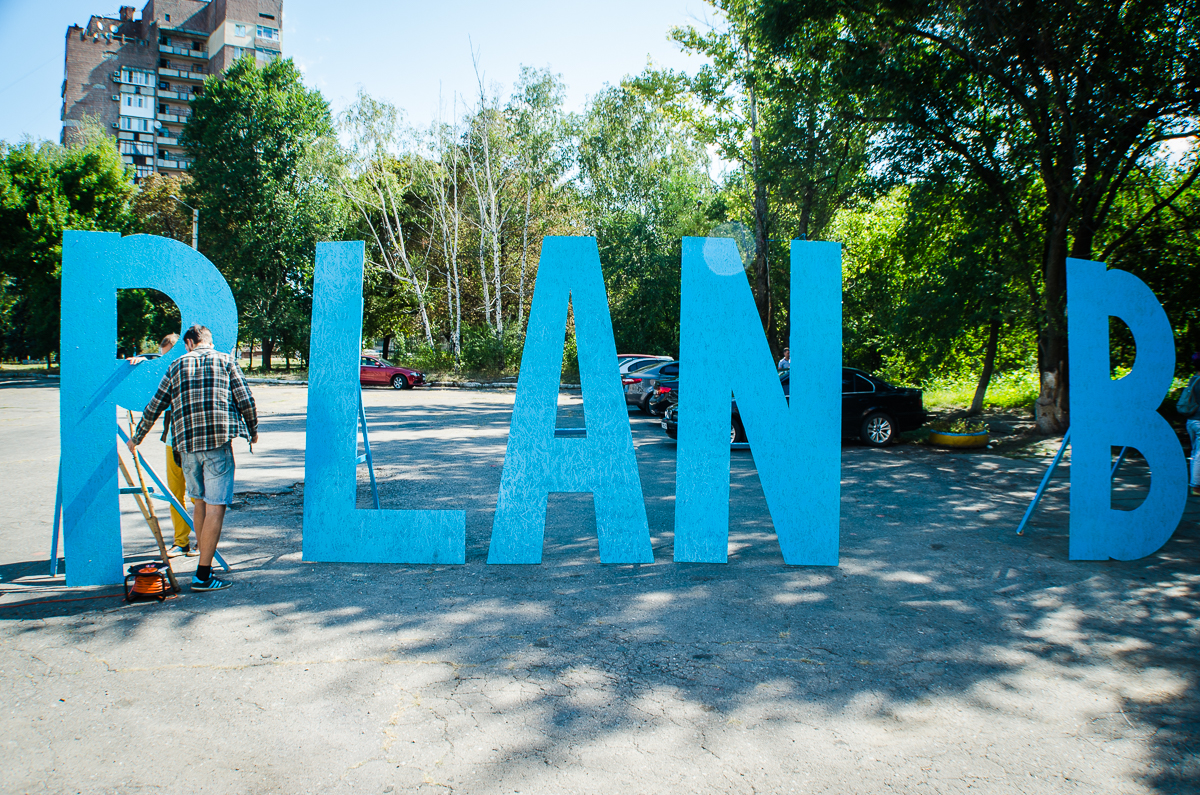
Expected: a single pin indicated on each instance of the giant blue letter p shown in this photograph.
(95, 265)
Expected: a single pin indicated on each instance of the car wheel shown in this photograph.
(644, 404)
(878, 430)
(399, 382)
(736, 432)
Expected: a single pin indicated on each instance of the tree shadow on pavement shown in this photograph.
(941, 636)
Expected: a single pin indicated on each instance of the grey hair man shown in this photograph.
(210, 405)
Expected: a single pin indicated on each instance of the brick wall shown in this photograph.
(93, 53)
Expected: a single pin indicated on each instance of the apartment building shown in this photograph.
(137, 76)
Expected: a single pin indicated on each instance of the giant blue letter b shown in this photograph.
(1105, 412)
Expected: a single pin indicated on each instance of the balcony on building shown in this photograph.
(183, 45)
(185, 70)
(173, 115)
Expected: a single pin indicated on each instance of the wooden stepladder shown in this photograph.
(143, 494)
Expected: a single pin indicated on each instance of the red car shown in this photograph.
(373, 371)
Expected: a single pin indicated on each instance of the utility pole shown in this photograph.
(195, 222)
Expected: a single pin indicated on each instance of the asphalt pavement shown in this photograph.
(944, 654)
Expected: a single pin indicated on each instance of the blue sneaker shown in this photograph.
(211, 584)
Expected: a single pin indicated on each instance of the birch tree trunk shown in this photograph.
(524, 255)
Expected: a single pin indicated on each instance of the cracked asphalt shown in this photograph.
(945, 653)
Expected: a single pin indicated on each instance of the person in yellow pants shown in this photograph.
(174, 471)
(175, 484)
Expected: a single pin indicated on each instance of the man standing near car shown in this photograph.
(786, 362)
(210, 405)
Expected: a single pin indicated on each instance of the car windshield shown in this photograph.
(384, 362)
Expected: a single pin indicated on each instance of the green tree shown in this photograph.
(1164, 251)
(265, 173)
(644, 185)
(46, 189)
(1079, 95)
(800, 153)
(157, 213)
(543, 133)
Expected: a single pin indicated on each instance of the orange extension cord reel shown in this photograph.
(147, 581)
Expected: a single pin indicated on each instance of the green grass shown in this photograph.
(1007, 392)
(31, 367)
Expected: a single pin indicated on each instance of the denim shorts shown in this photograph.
(209, 475)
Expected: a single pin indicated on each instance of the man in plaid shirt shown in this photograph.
(210, 405)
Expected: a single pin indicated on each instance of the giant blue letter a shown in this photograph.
(537, 463)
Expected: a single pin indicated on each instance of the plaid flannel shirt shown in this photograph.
(209, 399)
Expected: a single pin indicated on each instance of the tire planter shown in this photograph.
(948, 439)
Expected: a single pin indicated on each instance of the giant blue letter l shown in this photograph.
(334, 531)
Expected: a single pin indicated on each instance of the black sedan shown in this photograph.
(873, 410)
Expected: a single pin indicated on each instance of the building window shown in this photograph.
(168, 16)
(268, 33)
(266, 56)
(137, 77)
(136, 148)
(137, 125)
(239, 30)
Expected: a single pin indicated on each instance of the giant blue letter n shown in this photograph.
(1105, 412)
(95, 265)
(796, 447)
(334, 531)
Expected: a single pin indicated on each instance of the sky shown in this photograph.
(416, 55)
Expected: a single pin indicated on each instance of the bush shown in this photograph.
(418, 355)
(485, 351)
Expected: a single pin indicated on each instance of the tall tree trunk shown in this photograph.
(1052, 410)
(524, 253)
(268, 349)
(483, 277)
(387, 345)
(496, 257)
(989, 362)
(762, 271)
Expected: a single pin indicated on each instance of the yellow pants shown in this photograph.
(175, 484)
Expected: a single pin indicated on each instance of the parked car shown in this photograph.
(670, 424)
(873, 410)
(629, 362)
(639, 385)
(373, 371)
